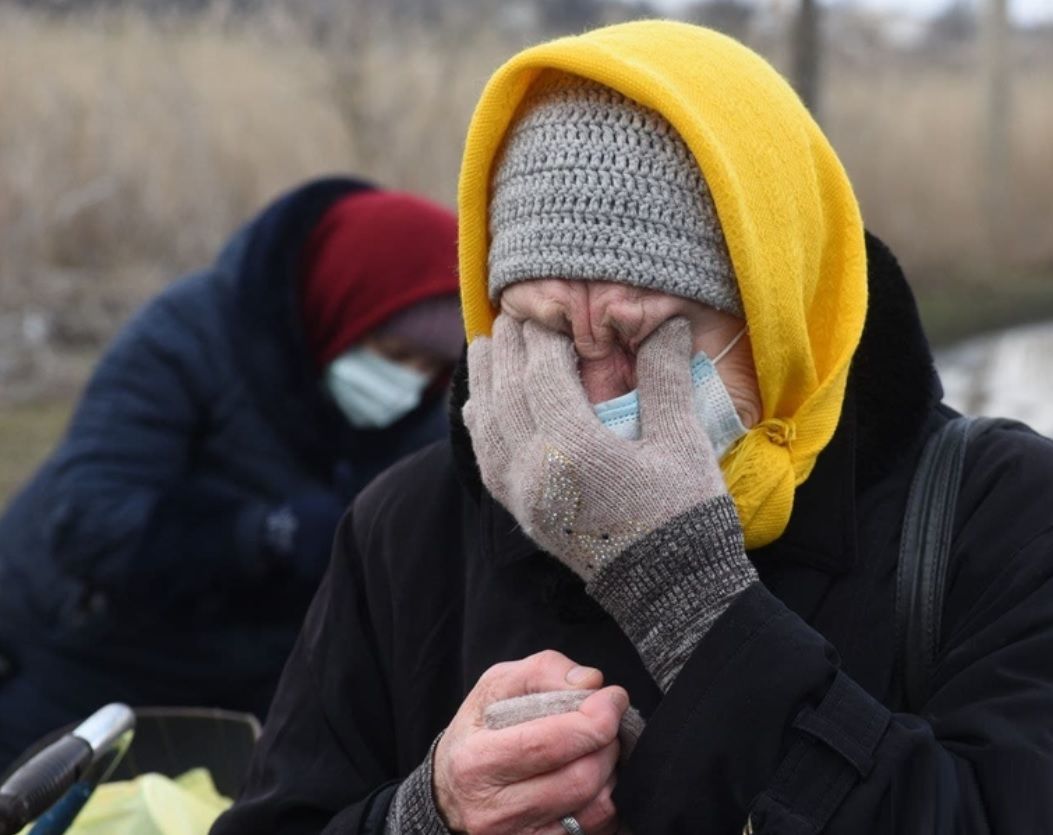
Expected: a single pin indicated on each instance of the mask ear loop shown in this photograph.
(731, 345)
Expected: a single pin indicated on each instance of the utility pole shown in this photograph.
(807, 54)
(997, 116)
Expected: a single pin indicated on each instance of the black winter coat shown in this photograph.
(131, 565)
(790, 710)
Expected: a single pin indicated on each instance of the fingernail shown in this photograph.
(578, 675)
(620, 699)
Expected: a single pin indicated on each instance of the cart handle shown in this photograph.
(42, 780)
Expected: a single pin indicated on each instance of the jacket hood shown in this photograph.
(261, 267)
(789, 216)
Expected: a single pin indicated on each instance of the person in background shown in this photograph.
(166, 551)
(696, 394)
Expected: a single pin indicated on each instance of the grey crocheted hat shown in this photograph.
(591, 185)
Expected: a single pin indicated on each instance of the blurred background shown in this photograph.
(135, 137)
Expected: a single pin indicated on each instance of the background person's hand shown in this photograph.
(523, 779)
(299, 534)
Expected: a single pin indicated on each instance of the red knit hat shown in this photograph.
(373, 254)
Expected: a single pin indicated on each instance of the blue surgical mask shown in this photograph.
(372, 391)
(713, 405)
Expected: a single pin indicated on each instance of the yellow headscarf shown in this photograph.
(789, 216)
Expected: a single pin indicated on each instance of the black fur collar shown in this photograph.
(893, 381)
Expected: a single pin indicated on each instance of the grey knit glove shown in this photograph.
(647, 524)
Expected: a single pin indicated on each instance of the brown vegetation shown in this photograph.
(131, 146)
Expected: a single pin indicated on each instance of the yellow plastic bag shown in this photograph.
(153, 805)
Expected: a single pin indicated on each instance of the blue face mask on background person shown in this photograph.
(713, 405)
(372, 391)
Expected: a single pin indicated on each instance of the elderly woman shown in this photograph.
(168, 549)
(697, 392)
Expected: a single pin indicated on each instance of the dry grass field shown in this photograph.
(912, 141)
(130, 147)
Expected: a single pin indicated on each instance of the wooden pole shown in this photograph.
(997, 114)
(807, 54)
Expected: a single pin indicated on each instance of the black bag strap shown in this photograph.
(835, 748)
(925, 545)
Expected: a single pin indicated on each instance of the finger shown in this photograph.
(599, 816)
(557, 828)
(559, 403)
(663, 379)
(480, 375)
(539, 746)
(538, 673)
(509, 382)
(630, 731)
(481, 417)
(479, 352)
(548, 797)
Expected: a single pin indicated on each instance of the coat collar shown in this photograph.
(822, 529)
(891, 392)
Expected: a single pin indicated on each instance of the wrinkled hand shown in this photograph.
(582, 493)
(523, 779)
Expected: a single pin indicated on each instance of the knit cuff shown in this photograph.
(413, 810)
(666, 590)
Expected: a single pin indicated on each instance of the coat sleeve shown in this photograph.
(763, 722)
(123, 508)
(325, 762)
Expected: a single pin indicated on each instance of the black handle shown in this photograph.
(32, 789)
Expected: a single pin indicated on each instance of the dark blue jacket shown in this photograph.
(790, 710)
(131, 565)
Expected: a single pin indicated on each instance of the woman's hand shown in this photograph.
(582, 493)
(524, 778)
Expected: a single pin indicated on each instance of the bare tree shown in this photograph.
(569, 15)
(732, 17)
(954, 25)
(997, 114)
(807, 54)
